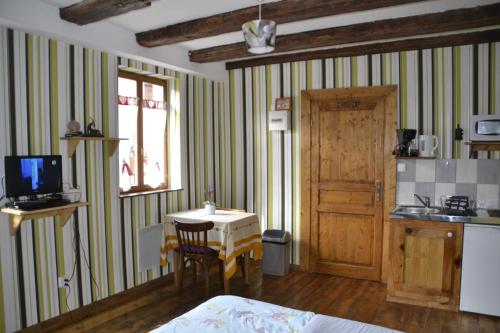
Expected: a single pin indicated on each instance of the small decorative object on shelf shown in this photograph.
(73, 129)
(283, 104)
(459, 133)
(72, 194)
(209, 203)
(91, 131)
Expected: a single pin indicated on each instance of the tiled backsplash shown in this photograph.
(477, 179)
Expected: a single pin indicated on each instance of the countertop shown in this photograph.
(484, 217)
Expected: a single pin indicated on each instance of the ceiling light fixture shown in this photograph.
(260, 35)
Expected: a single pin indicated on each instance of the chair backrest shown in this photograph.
(190, 233)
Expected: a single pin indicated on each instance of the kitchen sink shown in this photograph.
(426, 213)
(417, 210)
(476, 216)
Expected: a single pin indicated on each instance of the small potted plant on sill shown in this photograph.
(209, 203)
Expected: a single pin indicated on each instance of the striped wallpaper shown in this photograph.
(224, 142)
(438, 89)
(44, 83)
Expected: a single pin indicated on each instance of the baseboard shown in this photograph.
(83, 312)
(295, 267)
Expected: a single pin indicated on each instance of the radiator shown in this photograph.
(149, 247)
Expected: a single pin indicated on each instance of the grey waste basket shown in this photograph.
(276, 259)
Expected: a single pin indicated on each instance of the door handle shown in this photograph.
(378, 189)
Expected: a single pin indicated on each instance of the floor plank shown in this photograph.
(353, 299)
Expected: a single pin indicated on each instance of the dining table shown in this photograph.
(235, 233)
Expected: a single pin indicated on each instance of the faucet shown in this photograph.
(426, 201)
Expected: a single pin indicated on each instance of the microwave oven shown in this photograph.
(485, 127)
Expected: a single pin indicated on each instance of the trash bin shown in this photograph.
(276, 259)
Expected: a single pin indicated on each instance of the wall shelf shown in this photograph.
(17, 216)
(482, 145)
(73, 142)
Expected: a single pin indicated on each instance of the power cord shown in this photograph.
(67, 282)
(3, 188)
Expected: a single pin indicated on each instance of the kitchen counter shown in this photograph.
(483, 216)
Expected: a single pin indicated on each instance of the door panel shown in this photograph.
(337, 243)
(346, 202)
(424, 261)
(346, 174)
(346, 145)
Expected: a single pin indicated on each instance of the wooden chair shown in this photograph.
(194, 248)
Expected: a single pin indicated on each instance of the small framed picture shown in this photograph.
(283, 104)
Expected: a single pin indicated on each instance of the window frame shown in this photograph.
(141, 188)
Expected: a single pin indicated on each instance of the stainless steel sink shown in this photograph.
(417, 210)
(425, 213)
(477, 216)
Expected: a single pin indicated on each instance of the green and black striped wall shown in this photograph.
(438, 89)
(224, 142)
(44, 83)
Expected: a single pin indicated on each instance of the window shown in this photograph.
(142, 114)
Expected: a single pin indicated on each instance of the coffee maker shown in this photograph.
(405, 137)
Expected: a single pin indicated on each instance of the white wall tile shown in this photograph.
(404, 193)
(425, 171)
(466, 171)
(488, 196)
(443, 189)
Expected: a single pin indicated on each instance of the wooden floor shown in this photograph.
(342, 297)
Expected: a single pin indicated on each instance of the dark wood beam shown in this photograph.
(89, 11)
(453, 20)
(282, 12)
(487, 36)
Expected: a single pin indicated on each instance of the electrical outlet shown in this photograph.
(63, 282)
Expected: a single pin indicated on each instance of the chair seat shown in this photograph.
(195, 249)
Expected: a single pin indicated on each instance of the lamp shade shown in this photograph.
(260, 36)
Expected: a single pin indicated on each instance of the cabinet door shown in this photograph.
(425, 263)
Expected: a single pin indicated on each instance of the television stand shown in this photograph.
(16, 216)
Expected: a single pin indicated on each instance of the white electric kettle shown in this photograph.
(427, 145)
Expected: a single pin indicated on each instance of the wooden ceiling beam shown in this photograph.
(282, 12)
(452, 20)
(488, 36)
(89, 11)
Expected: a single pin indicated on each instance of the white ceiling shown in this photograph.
(166, 12)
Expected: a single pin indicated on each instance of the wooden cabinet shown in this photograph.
(425, 263)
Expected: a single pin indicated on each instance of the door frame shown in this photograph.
(383, 94)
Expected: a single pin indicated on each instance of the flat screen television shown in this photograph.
(32, 175)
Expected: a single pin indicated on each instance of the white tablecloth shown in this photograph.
(233, 234)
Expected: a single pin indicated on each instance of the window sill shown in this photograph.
(136, 194)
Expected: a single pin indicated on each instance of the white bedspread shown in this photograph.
(321, 323)
(232, 314)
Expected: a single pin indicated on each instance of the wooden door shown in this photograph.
(346, 182)
(426, 263)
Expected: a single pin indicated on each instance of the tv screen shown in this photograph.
(32, 175)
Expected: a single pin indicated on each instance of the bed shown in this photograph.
(223, 314)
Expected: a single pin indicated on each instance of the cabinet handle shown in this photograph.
(402, 247)
(450, 234)
(408, 231)
(458, 262)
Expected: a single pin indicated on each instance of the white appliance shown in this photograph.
(485, 127)
(427, 145)
(480, 291)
